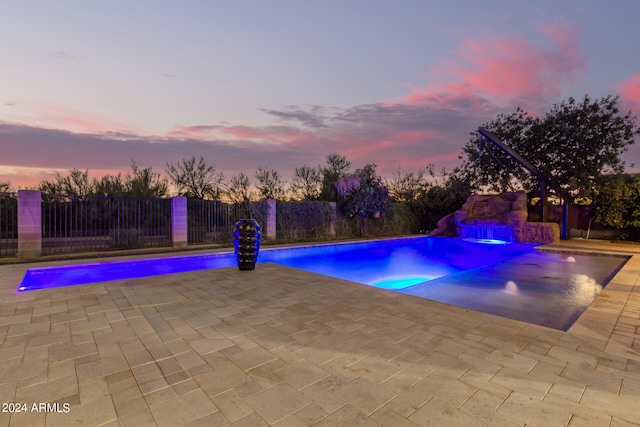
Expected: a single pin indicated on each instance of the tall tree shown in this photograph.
(145, 182)
(270, 184)
(405, 186)
(5, 186)
(76, 183)
(306, 183)
(139, 183)
(574, 144)
(109, 185)
(488, 167)
(196, 180)
(238, 189)
(337, 167)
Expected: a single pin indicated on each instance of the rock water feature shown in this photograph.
(497, 217)
(490, 232)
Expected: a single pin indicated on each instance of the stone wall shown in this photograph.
(29, 224)
(541, 232)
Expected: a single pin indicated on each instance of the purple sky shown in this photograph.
(281, 84)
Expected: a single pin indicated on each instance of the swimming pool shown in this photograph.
(511, 280)
(388, 263)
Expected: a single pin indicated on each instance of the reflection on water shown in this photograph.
(547, 289)
(582, 289)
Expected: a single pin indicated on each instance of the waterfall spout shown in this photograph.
(502, 233)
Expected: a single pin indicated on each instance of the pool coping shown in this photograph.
(612, 322)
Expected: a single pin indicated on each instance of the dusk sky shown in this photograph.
(280, 84)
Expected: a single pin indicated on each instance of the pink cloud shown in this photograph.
(630, 93)
(429, 125)
(505, 70)
(281, 134)
(389, 141)
(460, 96)
(79, 121)
(409, 135)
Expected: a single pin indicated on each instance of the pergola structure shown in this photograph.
(545, 182)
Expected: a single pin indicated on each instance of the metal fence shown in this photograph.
(88, 223)
(8, 224)
(212, 221)
(305, 220)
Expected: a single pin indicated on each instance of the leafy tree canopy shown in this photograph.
(617, 203)
(370, 197)
(76, 183)
(110, 185)
(574, 144)
(337, 167)
(145, 182)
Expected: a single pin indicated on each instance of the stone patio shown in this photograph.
(283, 347)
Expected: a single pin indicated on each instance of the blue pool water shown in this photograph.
(391, 263)
(510, 280)
(398, 263)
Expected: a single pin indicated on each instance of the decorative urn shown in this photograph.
(246, 243)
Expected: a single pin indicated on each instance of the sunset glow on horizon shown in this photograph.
(283, 84)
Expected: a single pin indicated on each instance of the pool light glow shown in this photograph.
(399, 282)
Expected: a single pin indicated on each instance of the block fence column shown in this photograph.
(29, 224)
(179, 222)
(271, 220)
(334, 219)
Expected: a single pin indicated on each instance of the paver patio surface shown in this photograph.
(284, 347)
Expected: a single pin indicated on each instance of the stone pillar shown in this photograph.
(334, 219)
(29, 224)
(271, 220)
(179, 222)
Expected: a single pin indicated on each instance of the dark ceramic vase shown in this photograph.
(246, 242)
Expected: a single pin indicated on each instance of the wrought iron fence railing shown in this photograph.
(8, 224)
(91, 223)
(71, 223)
(305, 220)
(212, 221)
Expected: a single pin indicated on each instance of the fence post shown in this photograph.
(179, 222)
(29, 224)
(271, 220)
(334, 219)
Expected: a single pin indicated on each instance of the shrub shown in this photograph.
(617, 204)
(400, 220)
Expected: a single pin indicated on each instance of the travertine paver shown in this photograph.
(283, 347)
